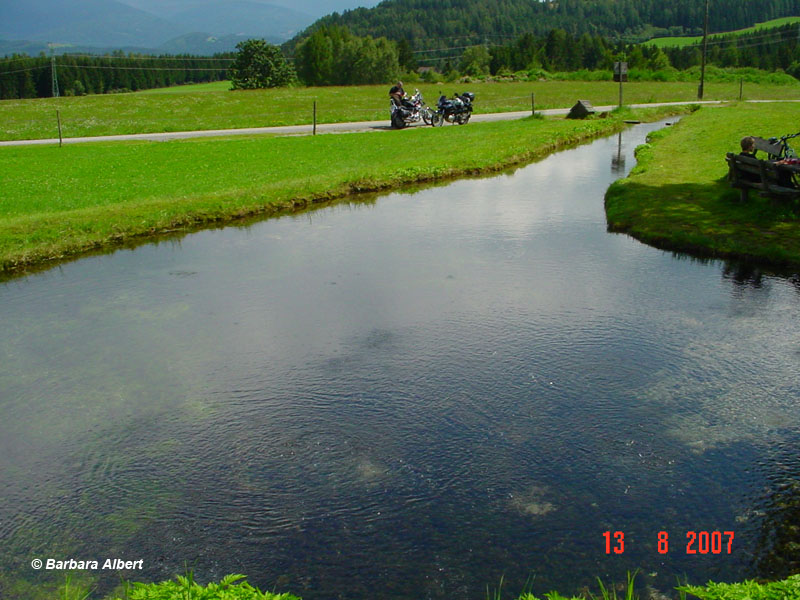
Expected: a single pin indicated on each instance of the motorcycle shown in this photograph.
(410, 110)
(457, 109)
(781, 148)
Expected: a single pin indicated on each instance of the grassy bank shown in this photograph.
(63, 201)
(207, 107)
(678, 198)
(233, 587)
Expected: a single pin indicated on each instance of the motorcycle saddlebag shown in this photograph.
(469, 96)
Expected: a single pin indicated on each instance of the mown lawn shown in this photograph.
(60, 201)
(678, 197)
(210, 106)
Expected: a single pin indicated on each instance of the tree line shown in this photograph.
(769, 50)
(31, 77)
(458, 22)
(333, 55)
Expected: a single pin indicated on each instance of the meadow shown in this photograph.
(681, 41)
(211, 106)
(63, 201)
(678, 197)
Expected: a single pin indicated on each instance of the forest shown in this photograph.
(31, 77)
(450, 23)
(768, 50)
(335, 54)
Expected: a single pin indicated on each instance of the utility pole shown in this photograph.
(54, 80)
(703, 63)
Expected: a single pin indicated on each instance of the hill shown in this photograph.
(667, 42)
(83, 22)
(242, 17)
(101, 25)
(452, 22)
(197, 44)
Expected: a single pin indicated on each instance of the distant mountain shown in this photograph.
(202, 44)
(100, 25)
(166, 9)
(242, 17)
(197, 44)
(87, 22)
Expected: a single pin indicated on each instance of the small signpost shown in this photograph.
(620, 74)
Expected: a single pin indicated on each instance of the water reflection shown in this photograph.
(743, 275)
(406, 400)
(618, 158)
(776, 553)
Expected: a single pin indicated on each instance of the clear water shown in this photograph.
(407, 397)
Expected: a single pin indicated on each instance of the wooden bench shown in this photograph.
(771, 180)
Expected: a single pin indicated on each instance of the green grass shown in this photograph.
(788, 589)
(234, 587)
(184, 109)
(214, 86)
(62, 201)
(677, 197)
(231, 587)
(665, 42)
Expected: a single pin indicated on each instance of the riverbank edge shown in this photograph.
(627, 213)
(133, 233)
(237, 587)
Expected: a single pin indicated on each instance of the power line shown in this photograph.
(24, 70)
(112, 67)
(172, 58)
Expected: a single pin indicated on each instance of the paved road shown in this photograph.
(307, 129)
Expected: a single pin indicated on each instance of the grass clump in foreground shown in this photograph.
(787, 589)
(233, 587)
(63, 201)
(678, 197)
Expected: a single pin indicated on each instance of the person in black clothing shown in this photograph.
(748, 146)
(397, 93)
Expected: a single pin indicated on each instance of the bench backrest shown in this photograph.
(765, 146)
(758, 173)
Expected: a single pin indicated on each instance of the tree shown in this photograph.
(259, 65)
(334, 56)
(475, 61)
(405, 56)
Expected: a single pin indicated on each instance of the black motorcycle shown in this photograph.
(457, 109)
(410, 110)
(781, 148)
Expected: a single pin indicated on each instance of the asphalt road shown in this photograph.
(307, 129)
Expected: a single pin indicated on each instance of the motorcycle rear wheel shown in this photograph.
(397, 120)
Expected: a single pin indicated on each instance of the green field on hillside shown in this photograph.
(665, 42)
(191, 108)
(213, 86)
